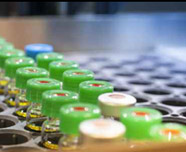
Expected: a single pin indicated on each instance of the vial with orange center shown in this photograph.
(5, 54)
(52, 101)
(111, 104)
(34, 90)
(89, 91)
(11, 65)
(22, 76)
(44, 59)
(138, 121)
(72, 78)
(168, 132)
(70, 118)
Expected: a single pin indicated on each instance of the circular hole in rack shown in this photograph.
(140, 99)
(120, 89)
(177, 102)
(174, 115)
(99, 59)
(178, 71)
(165, 64)
(177, 85)
(183, 113)
(2, 108)
(125, 74)
(130, 62)
(27, 149)
(162, 110)
(157, 91)
(174, 120)
(140, 82)
(145, 69)
(161, 77)
(105, 79)
(7, 121)
(111, 67)
(13, 137)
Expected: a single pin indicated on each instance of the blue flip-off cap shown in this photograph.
(33, 49)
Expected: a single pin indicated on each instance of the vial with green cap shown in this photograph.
(22, 76)
(52, 101)
(72, 78)
(6, 54)
(44, 59)
(34, 90)
(138, 121)
(11, 65)
(57, 68)
(6, 46)
(2, 40)
(111, 104)
(168, 132)
(90, 90)
(71, 116)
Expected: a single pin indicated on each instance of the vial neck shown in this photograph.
(35, 104)
(53, 119)
(12, 81)
(23, 91)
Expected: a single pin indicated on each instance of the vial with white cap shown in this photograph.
(101, 131)
(111, 104)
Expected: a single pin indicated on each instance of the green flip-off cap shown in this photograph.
(36, 86)
(5, 54)
(53, 100)
(26, 73)
(72, 115)
(44, 59)
(90, 90)
(57, 68)
(2, 40)
(72, 78)
(168, 132)
(12, 64)
(139, 120)
(6, 46)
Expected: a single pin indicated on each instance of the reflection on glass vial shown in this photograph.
(69, 142)
(50, 133)
(34, 117)
(10, 92)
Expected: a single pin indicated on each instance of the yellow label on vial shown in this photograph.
(21, 114)
(3, 82)
(50, 145)
(24, 114)
(13, 103)
(1, 91)
(13, 92)
(33, 127)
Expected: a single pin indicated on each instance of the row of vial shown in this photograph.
(67, 106)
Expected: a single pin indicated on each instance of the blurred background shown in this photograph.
(90, 26)
(75, 8)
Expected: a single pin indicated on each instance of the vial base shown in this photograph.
(68, 142)
(35, 125)
(10, 92)
(52, 142)
(21, 113)
(51, 133)
(34, 118)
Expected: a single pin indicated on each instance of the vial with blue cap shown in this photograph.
(33, 49)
